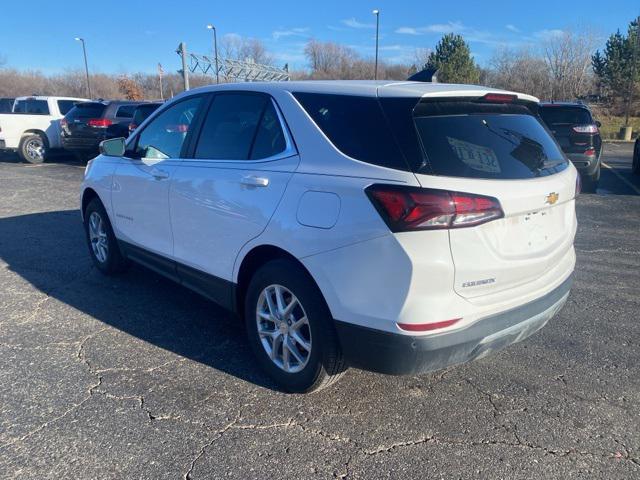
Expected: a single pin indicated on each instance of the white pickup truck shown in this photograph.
(33, 126)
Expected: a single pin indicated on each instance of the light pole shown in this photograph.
(215, 50)
(377, 14)
(86, 65)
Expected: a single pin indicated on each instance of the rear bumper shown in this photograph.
(398, 354)
(82, 144)
(586, 165)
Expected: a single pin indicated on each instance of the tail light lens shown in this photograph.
(499, 98)
(591, 152)
(410, 208)
(592, 129)
(99, 122)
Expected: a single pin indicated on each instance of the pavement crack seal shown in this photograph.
(218, 435)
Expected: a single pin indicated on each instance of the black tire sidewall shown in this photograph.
(23, 142)
(290, 275)
(111, 265)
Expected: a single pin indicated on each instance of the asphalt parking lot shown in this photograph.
(137, 377)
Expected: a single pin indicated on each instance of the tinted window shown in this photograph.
(230, 126)
(86, 110)
(65, 105)
(356, 126)
(32, 106)
(164, 136)
(142, 112)
(6, 105)
(565, 115)
(125, 111)
(269, 139)
(488, 145)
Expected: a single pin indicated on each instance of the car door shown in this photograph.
(140, 190)
(225, 194)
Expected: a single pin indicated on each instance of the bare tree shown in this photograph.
(520, 71)
(236, 47)
(568, 59)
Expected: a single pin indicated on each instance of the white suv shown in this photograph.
(397, 227)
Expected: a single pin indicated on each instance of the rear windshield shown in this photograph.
(450, 138)
(87, 110)
(31, 106)
(565, 115)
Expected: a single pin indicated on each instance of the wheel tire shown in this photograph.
(113, 262)
(324, 364)
(33, 148)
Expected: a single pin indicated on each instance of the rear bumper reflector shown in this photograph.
(425, 327)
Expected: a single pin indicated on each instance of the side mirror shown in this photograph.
(114, 147)
(598, 124)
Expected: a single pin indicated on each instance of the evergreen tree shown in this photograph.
(618, 66)
(453, 60)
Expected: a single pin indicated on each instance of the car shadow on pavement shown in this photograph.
(48, 250)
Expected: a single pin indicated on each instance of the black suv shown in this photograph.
(140, 114)
(578, 134)
(86, 124)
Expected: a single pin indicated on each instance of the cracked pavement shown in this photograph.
(137, 377)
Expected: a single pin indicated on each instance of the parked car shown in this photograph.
(33, 127)
(636, 157)
(6, 104)
(86, 125)
(140, 114)
(578, 134)
(397, 227)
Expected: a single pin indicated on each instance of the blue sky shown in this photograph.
(125, 37)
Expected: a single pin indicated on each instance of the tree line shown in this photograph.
(564, 67)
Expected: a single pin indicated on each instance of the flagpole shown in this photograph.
(160, 76)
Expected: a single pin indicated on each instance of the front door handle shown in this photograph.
(159, 174)
(255, 181)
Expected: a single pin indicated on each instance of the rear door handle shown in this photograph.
(255, 181)
(159, 174)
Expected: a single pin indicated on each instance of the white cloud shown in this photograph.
(353, 23)
(548, 34)
(512, 28)
(291, 32)
(449, 27)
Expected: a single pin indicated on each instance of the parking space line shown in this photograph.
(624, 180)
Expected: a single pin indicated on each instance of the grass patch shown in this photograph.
(611, 126)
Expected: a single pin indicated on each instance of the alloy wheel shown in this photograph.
(35, 150)
(98, 237)
(283, 328)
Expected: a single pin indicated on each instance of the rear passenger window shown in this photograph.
(65, 105)
(356, 126)
(32, 107)
(125, 111)
(230, 126)
(269, 139)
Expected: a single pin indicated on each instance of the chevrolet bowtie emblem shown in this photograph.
(551, 198)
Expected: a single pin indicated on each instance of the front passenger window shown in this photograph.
(165, 134)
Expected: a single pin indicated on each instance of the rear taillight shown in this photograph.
(99, 122)
(592, 129)
(412, 208)
(590, 152)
